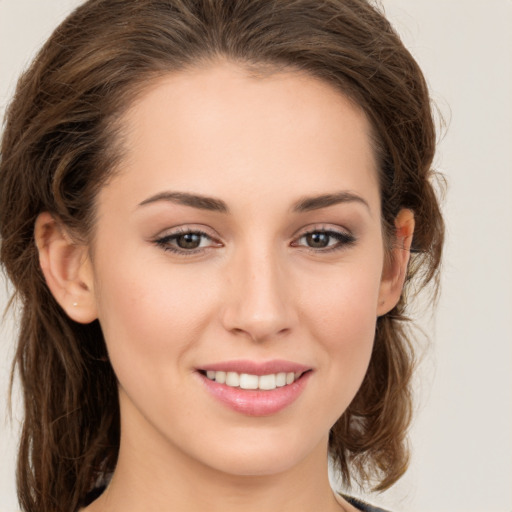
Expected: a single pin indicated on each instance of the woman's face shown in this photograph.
(242, 235)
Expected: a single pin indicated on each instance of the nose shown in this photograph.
(259, 301)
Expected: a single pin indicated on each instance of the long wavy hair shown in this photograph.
(61, 142)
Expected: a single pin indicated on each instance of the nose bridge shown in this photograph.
(259, 303)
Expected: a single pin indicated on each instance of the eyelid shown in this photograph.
(164, 237)
(183, 229)
(322, 227)
(345, 237)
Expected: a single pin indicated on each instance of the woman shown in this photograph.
(207, 209)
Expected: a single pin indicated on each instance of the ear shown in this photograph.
(395, 268)
(67, 269)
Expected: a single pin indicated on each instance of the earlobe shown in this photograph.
(395, 271)
(67, 269)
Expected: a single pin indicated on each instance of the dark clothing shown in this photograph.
(362, 506)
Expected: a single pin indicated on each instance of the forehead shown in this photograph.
(208, 127)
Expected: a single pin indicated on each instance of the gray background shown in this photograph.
(462, 436)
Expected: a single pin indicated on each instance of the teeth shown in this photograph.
(267, 382)
(232, 379)
(281, 380)
(248, 381)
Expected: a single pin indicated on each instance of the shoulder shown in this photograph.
(362, 506)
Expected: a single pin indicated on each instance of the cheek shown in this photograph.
(341, 317)
(345, 304)
(149, 311)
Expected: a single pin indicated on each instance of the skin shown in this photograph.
(255, 288)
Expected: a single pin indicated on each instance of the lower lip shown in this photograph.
(256, 402)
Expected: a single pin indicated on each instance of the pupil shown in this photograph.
(318, 240)
(189, 241)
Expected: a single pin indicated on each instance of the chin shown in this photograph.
(264, 455)
(257, 465)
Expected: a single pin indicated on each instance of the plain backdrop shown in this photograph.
(462, 435)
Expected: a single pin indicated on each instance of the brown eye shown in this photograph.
(324, 241)
(187, 243)
(318, 240)
(189, 240)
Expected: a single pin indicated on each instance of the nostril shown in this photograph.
(260, 332)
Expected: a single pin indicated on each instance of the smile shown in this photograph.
(248, 381)
(255, 388)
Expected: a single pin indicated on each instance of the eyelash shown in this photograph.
(165, 242)
(343, 240)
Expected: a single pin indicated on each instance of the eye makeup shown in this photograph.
(187, 241)
(325, 240)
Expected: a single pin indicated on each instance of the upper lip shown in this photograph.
(256, 367)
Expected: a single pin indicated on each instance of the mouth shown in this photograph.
(267, 382)
(255, 389)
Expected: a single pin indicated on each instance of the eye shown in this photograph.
(325, 240)
(190, 240)
(186, 242)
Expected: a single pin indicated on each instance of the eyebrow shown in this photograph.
(307, 204)
(304, 204)
(193, 200)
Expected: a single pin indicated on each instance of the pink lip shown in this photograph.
(255, 367)
(256, 402)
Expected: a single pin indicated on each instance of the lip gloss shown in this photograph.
(256, 402)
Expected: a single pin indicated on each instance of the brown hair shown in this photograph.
(61, 142)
